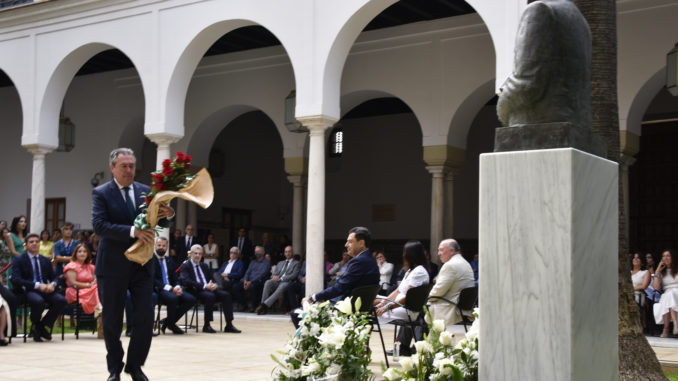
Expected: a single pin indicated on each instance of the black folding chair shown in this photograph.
(81, 318)
(367, 294)
(415, 299)
(468, 298)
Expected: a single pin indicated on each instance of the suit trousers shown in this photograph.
(112, 293)
(37, 300)
(176, 305)
(250, 296)
(272, 291)
(294, 291)
(208, 298)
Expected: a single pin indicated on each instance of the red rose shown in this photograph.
(157, 177)
(161, 186)
(148, 200)
(167, 171)
(188, 159)
(166, 163)
(187, 165)
(180, 156)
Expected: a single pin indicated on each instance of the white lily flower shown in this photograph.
(391, 375)
(445, 338)
(406, 364)
(345, 306)
(439, 325)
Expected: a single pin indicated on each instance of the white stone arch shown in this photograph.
(501, 20)
(466, 111)
(188, 35)
(51, 99)
(633, 117)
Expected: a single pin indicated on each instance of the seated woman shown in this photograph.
(385, 272)
(417, 274)
(80, 273)
(641, 280)
(665, 310)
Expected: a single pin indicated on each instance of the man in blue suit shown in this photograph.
(115, 205)
(230, 271)
(361, 270)
(169, 291)
(34, 274)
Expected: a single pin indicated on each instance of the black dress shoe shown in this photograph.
(45, 333)
(262, 309)
(163, 325)
(208, 329)
(136, 373)
(175, 329)
(35, 333)
(231, 329)
(113, 377)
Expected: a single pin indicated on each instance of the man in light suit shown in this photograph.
(285, 272)
(34, 274)
(455, 275)
(169, 291)
(194, 277)
(115, 205)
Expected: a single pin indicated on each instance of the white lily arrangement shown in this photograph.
(438, 358)
(332, 340)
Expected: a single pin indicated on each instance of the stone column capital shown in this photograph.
(297, 180)
(437, 170)
(317, 124)
(39, 149)
(163, 139)
(626, 161)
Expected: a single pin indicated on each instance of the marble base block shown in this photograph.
(548, 267)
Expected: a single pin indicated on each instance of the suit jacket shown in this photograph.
(247, 247)
(454, 276)
(360, 271)
(237, 271)
(22, 271)
(112, 223)
(172, 277)
(291, 272)
(188, 279)
(180, 248)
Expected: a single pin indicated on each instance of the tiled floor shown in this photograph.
(195, 356)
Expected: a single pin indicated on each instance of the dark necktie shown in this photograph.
(130, 203)
(201, 279)
(164, 272)
(188, 243)
(240, 242)
(282, 273)
(37, 274)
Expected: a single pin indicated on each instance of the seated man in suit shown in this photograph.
(361, 270)
(455, 275)
(248, 291)
(285, 272)
(230, 271)
(169, 291)
(193, 276)
(297, 289)
(34, 274)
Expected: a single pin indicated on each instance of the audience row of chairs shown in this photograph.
(415, 301)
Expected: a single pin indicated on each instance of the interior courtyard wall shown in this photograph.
(253, 176)
(382, 164)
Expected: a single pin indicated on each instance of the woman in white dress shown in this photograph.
(640, 279)
(415, 260)
(5, 322)
(211, 255)
(385, 272)
(666, 277)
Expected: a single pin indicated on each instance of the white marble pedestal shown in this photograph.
(548, 266)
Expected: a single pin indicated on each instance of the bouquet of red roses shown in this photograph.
(172, 181)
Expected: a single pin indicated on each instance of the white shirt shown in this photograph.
(229, 266)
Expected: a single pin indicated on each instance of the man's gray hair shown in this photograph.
(452, 244)
(236, 248)
(196, 246)
(113, 157)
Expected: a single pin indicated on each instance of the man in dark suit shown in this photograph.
(33, 273)
(169, 291)
(243, 244)
(230, 271)
(183, 245)
(194, 276)
(115, 205)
